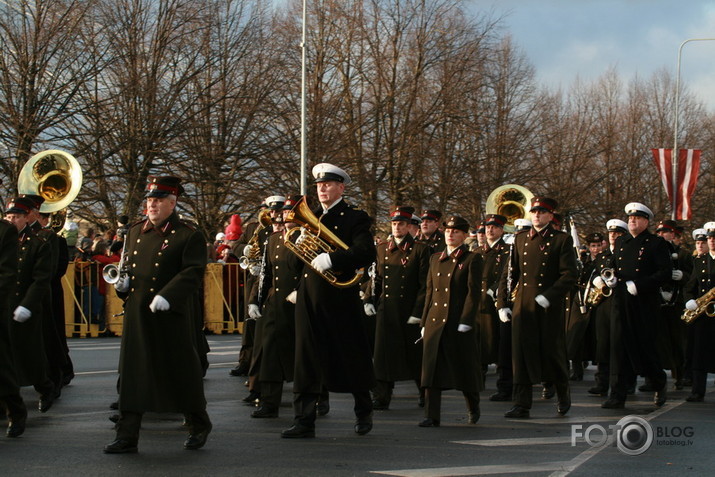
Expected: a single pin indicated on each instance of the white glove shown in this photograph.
(322, 262)
(462, 328)
(253, 312)
(413, 320)
(247, 250)
(159, 303)
(691, 305)
(667, 295)
(122, 285)
(292, 296)
(422, 332)
(21, 314)
(490, 293)
(505, 315)
(369, 309)
(543, 301)
(598, 282)
(611, 282)
(631, 286)
(677, 275)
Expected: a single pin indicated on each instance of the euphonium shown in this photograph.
(313, 239)
(706, 305)
(511, 201)
(595, 294)
(251, 259)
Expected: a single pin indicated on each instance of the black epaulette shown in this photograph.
(138, 222)
(188, 224)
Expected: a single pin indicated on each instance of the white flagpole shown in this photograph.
(303, 159)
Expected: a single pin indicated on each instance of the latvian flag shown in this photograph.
(688, 167)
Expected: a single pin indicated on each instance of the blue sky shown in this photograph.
(564, 39)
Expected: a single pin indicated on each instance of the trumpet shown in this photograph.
(114, 273)
(706, 305)
(251, 259)
(313, 239)
(596, 295)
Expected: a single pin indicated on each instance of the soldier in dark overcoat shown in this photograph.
(34, 269)
(601, 311)
(159, 362)
(671, 334)
(396, 295)
(543, 270)
(10, 400)
(449, 320)
(331, 340)
(642, 264)
(429, 230)
(495, 254)
(274, 345)
(701, 331)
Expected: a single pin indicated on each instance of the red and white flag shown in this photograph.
(688, 168)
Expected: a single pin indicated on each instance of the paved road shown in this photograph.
(68, 440)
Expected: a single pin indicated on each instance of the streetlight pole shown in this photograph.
(303, 159)
(675, 154)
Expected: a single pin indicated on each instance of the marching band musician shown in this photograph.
(274, 345)
(159, 363)
(331, 340)
(396, 295)
(543, 269)
(34, 270)
(449, 325)
(601, 311)
(10, 399)
(495, 254)
(701, 332)
(429, 230)
(700, 237)
(641, 262)
(672, 332)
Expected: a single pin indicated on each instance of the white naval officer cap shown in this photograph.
(522, 224)
(636, 208)
(220, 236)
(700, 235)
(614, 225)
(275, 202)
(710, 228)
(324, 172)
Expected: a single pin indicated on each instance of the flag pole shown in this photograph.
(303, 159)
(676, 154)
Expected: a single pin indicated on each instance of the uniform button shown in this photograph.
(134, 265)
(135, 252)
(153, 278)
(276, 277)
(524, 273)
(306, 275)
(151, 290)
(446, 289)
(439, 274)
(156, 264)
(435, 304)
(276, 256)
(449, 274)
(139, 240)
(387, 286)
(445, 305)
(132, 289)
(278, 289)
(443, 320)
(159, 254)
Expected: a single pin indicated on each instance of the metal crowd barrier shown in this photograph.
(88, 315)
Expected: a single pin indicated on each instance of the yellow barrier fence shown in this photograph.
(91, 307)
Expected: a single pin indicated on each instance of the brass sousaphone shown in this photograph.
(510, 200)
(55, 176)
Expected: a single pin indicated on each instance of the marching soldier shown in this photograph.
(601, 311)
(543, 270)
(642, 264)
(580, 338)
(449, 323)
(701, 331)
(429, 230)
(495, 254)
(159, 362)
(414, 226)
(700, 237)
(331, 340)
(672, 332)
(34, 269)
(274, 346)
(10, 399)
(397, 295)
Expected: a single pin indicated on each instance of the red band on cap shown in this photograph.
(401, 213)
(161, 187)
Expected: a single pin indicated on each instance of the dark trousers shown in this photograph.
(699, 382)
(304, 407)
(14, 406)
(523, 393)
(505, 375)
(433, 402)
(383, 391)
(130, 423)
(602, 375)
(271, 393)
(626, 376)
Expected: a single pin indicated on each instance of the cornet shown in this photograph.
(114, 273)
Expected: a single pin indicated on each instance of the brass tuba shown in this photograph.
(55, 176)
(251, 259)
(510, 200)
(313, 239)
